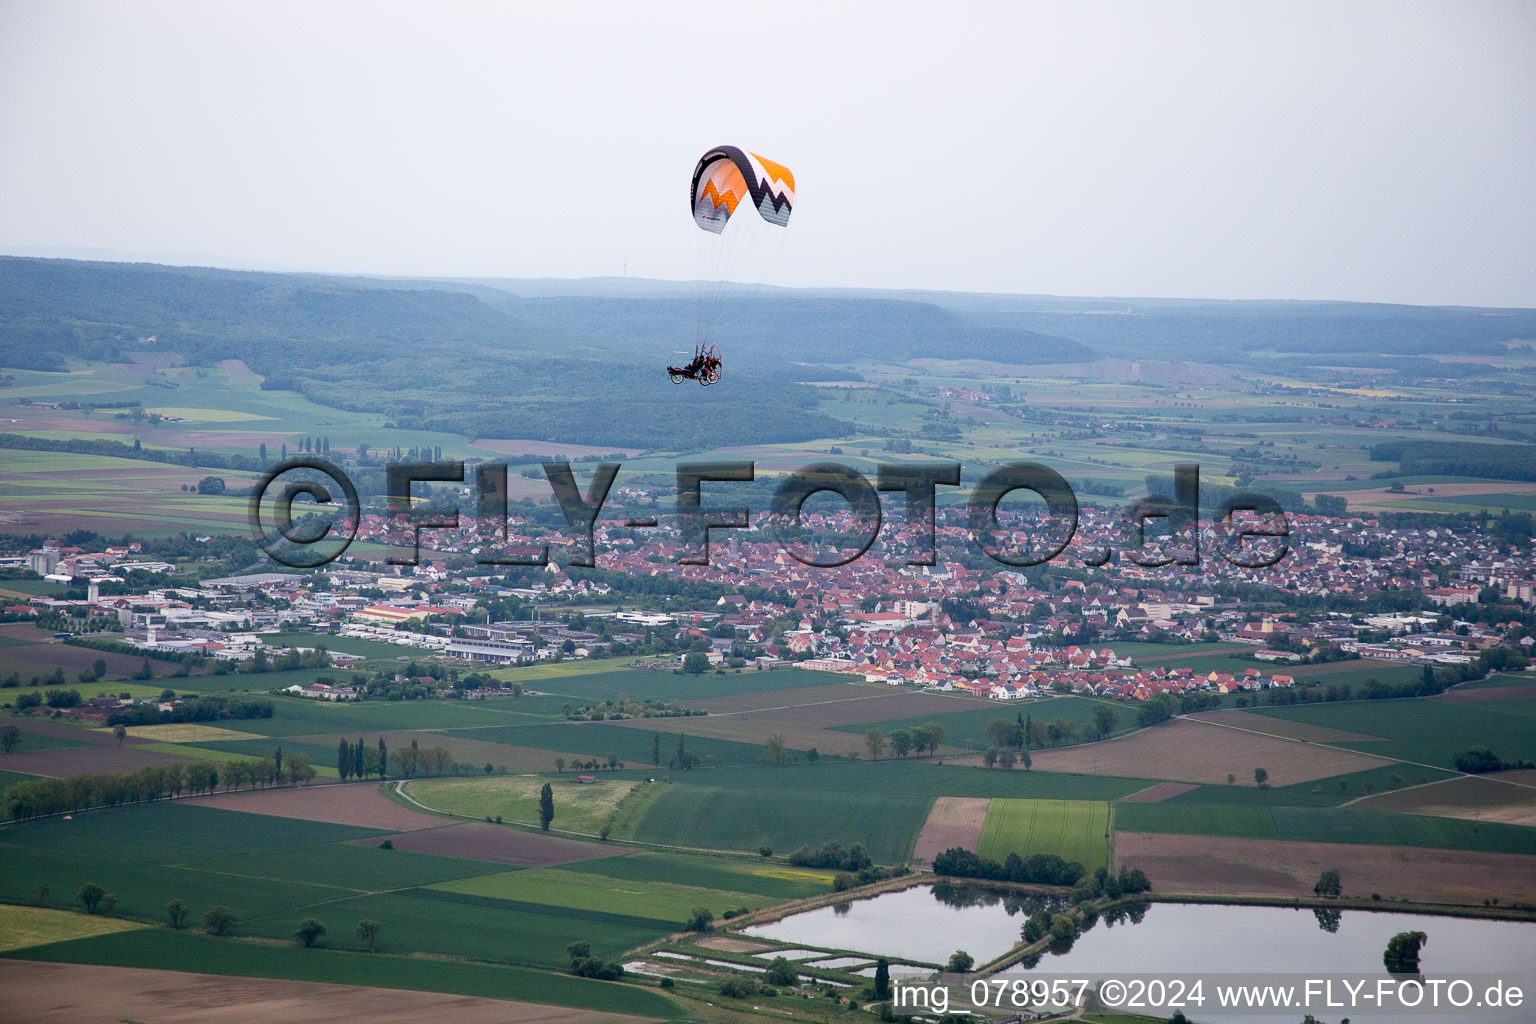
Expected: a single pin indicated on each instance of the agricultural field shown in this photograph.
(1498, 680)
(500, 844)
(953, 821)
(1283, 727)
(187, 951)
(1508, 797)
(186, 732)
(556, 888)
(271, 871)
(633, 746)
(433, 921)
(651, 684)
(1071, 829)
(1428, 731)
(578, 807)
(830, 719)
(63, 993)
(1188, 751)
(784, 819)
(913, 778)
(1222, 866)
(967, 728)
(358, 804)
(1324, 825)
(21, 927)
(1333, 791)
(773, 880)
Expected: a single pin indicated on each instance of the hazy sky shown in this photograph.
(1376, 151)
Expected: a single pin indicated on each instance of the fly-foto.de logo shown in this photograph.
(317, 488)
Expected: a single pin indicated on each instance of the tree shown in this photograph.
(90, 895)
(108, 903)
(119, 733)
(299, 769)
(781, 973)
(1003, 734)
(775, 749)
(1006, 759)
(368, 931)
(875, 742)
(559, 765)
(344, 759)
(1329, 883)
(695, 663)
(1155, 711)
(927, 737)
(357, 759)
(989, 757)
(901, 742)
(1105, 718)
(219, 920)
(700, 919)
(1261, 778)
(10, 736)
(42, 894)
(656, 749)
(383, 758)
(176, 913)
(882, 978)
(210, 485)
(546, 807)
(1402, 953)
(308, 931)
(960, 962)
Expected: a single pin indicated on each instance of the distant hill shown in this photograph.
(582, 361)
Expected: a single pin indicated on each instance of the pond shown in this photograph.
(927, 923)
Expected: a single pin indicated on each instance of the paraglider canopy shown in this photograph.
(726, 177)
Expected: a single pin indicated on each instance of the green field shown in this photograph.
(40, 741)
(763, 879)
(783, 818)
(438, 922)
(351, 866)
(141, 855)
(912, 778)
(578, 807)
(1428, 731)
(272, 872)
(1329, 792)
(1325, 825)
(649, 684)
(632, 746)
(1500, 679)
(969, 728)
(559, 889)
(21, 927)
(1071, 829)
(163, 949)
(295, 716)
